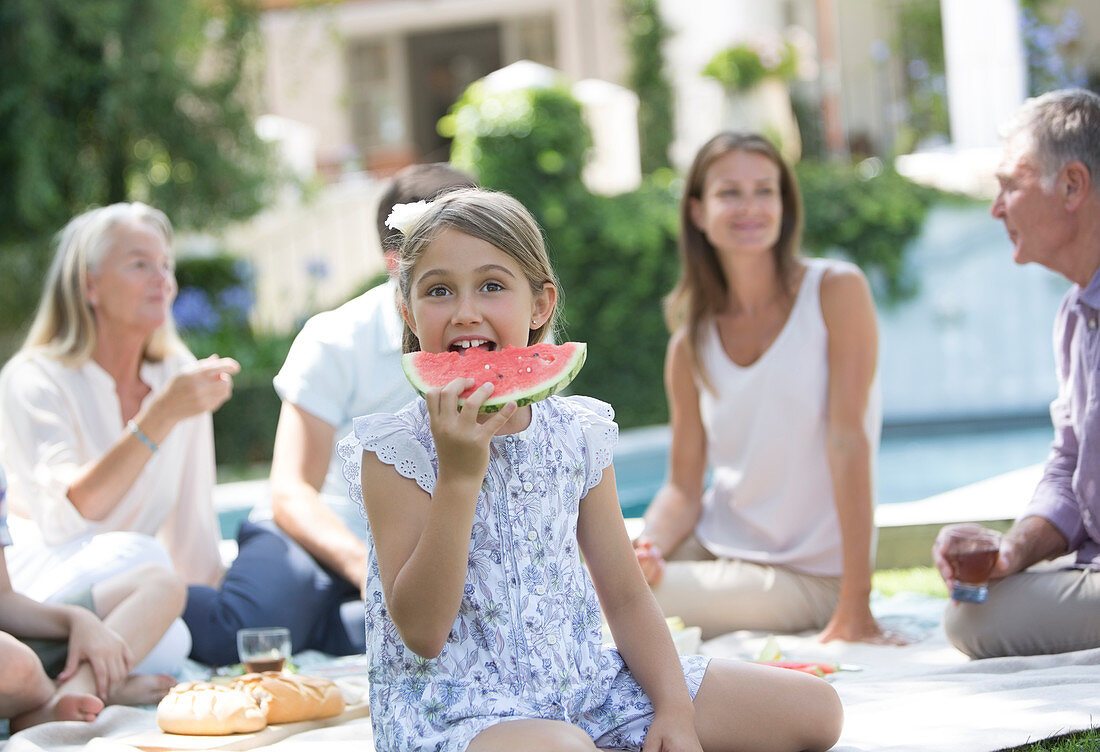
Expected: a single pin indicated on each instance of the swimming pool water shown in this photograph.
(910, 467)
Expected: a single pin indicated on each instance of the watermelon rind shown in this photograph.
(535, 393)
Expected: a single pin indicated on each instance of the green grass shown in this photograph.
(924, 580)
(1083, 741)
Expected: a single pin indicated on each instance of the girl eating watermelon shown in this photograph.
(483, 623)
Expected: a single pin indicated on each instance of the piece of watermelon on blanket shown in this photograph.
(523, 374)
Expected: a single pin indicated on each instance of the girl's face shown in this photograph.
(741, 209)
(134, 283)
(466, 292)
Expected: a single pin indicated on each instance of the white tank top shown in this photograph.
(771, 495)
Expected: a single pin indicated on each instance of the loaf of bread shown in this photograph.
(290, 698)
(206, 709)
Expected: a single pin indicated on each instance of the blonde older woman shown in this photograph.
(106, 433)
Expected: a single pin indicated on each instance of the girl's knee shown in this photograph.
(532, 736)
(156, 584)
(820, 718)
(570, 739)
(825, 715)
(23, 673)
(766, 708)
(171, 589)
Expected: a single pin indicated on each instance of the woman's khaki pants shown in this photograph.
(723, 595)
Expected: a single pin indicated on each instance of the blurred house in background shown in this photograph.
(373, 77)
(353, 90)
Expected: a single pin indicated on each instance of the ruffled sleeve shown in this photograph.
(395, 440)
(597, 423)
(5, 534)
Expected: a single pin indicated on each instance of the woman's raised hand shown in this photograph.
(461, 441)
(202, 387)
(651, 560)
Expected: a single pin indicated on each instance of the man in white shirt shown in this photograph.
(304, 568)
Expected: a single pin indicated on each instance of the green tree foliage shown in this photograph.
(212, 312)
(118, 100)
(615, 256)
(648, 33)
(919, 43)
(21, 278)
(868, 214)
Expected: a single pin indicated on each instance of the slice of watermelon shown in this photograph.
(815, 668)
(523, 374)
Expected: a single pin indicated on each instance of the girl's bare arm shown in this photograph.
(636, 622)
(676, 508)
(422, 541)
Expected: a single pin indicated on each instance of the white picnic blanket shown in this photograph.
(928, 696)
(925, 696)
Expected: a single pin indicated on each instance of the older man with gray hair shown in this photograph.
(1050, 204)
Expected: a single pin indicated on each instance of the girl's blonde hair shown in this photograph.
(64, 325)
(494, 217)
(702, 290)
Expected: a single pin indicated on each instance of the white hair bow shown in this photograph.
(404, 216)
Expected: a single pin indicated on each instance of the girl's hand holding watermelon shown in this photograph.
(461, 440)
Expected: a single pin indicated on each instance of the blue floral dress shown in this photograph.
(5, 534)
(527, 639)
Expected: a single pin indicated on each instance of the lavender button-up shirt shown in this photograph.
(1069, 493)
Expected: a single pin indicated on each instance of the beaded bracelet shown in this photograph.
(141, 436)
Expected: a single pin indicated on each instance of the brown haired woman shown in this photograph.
(770, 375)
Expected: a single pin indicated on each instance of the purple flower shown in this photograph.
(1044, 38)
(236, 302)
(1050, 49)
(1070, 28)
(193, 312)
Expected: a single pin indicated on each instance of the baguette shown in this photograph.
(205, 709)
(290, 698)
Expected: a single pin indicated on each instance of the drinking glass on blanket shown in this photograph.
(263, 648)
(972, 553)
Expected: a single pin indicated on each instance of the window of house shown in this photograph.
(372, 98)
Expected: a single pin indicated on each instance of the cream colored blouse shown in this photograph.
(58, 418)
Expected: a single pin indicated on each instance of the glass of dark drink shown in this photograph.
(972, 553)
(263, 648)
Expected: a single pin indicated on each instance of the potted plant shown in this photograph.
(755, 74)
